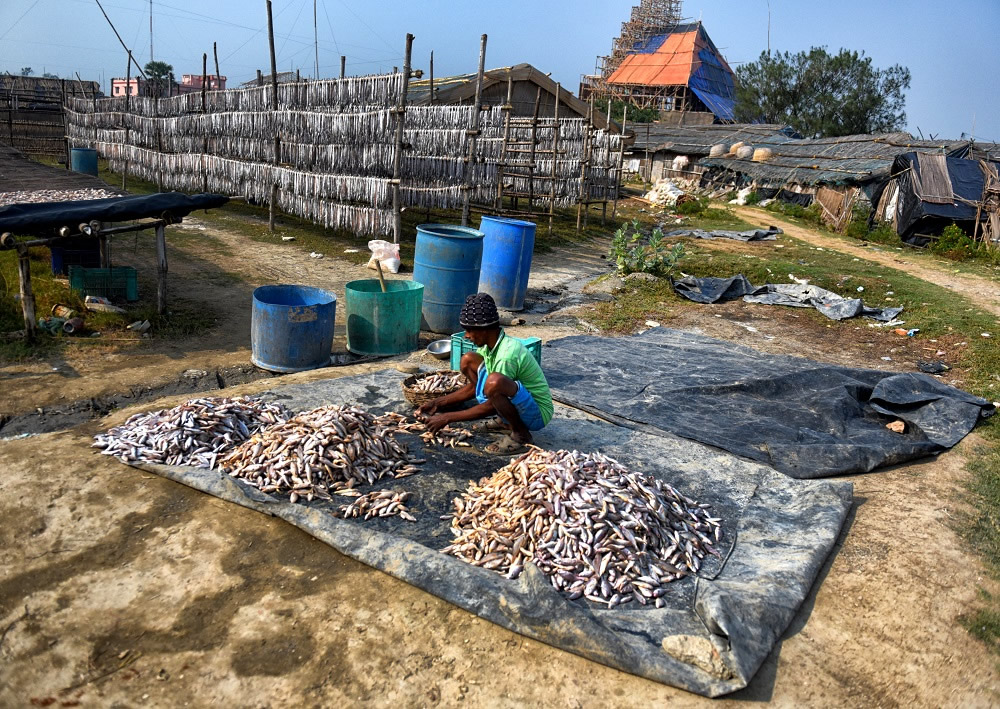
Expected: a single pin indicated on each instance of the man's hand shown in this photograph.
(428, 409)
(436, 423)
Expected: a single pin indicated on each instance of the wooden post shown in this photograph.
(397, 213)
(582, 198)
(531, 158)
(215, 52)
(343, 66)
(474, 133)
(128, 96)
(621, 163)
(104, 248)
(204, 109)
(27, 295)
(161, 269)
(432, 80)
(260, 78)
(501, 168)
(649, 168)
(65, 132)
(555, 159)
(274, 107)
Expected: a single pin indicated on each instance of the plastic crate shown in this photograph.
(115, 283)
(460, 345)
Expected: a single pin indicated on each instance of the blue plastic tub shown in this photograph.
(446, 260)
(83, 160)
(507, 248)
(291, 328)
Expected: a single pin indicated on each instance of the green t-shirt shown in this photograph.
(511, 358)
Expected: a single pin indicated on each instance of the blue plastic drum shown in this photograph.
(291, 328)
(507, 248)
(446, 260)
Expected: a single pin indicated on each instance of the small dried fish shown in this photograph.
(597, 530)
(195, 433)
(447, 437)
(381, 503)
(320, 452)
(439, 383)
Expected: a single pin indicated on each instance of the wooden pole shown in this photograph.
(204, 109)
(161, 269)
(260, 78)
(555, 159)
(397, 213)
(582, 198)
(27, 295)
(128, 96)
(66, 133)
(473, 133)
(531, 158)
(502, 167)
(621, 163)
(343, 66)
(274, 107)
(218, 76)
(649, 168)
(432, 80)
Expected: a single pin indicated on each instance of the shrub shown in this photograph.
(691, 208)
(954, 244)
(752, 199)
(634, 252)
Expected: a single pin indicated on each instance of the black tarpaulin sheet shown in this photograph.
(715, 630)
(804, 418)
(45, 216)
(713, 290)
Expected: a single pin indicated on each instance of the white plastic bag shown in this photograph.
(385, 252)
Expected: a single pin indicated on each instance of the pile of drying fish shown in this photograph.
(195, 433)
(320, 452)
(595, 529)
(448, 437)
(382, 503)
(439, 383)
(37, 196)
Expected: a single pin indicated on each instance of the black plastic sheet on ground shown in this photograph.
(804, 418)
(715, 630)
(713, 290)
(46, 216)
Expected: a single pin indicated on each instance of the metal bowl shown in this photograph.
(440, 349)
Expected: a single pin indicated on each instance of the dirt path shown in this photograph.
(982, 291)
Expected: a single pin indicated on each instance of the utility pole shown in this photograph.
(316, 40)
(150, 30)
(274, 107)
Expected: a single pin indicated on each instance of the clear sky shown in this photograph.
(950, 47)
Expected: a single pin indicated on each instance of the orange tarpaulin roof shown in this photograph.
(671, 64)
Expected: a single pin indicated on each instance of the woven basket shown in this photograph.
(762, 154)
(718, 150)
(419, 398)
(745, 152)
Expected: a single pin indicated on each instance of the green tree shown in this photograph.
(821, 94)
(159, 76)
(26, 71)
(617, 111)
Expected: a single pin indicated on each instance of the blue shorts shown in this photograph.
(523, 401)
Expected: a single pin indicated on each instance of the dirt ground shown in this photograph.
(120, 588)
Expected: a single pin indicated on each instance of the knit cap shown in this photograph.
(480, 310)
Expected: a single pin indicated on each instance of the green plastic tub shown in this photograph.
(383, 324)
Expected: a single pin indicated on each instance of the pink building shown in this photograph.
(136, 87)
(192, 82)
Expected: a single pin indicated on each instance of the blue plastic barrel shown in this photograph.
(83, 160)
(446, 260)
(507, 248)
(291, 328)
